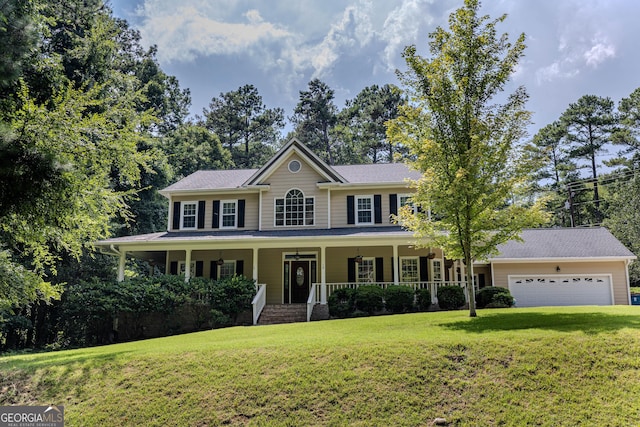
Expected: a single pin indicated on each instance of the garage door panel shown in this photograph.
(535, 291)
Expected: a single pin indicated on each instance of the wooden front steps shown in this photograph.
(283, 313)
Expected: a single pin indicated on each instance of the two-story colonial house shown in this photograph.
(302, 228)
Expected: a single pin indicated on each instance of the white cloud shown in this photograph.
(186, 32)
(599, 52)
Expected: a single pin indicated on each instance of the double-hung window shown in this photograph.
(294, 209)
(409, 270)
(364, 210)
(227, 269)
(436, 265)
(405, 200)
(365, 270)
(229, 213)
(188, 215)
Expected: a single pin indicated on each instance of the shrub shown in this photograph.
(399, 299)
(232, 295)
(370, 298)
(494, 296)
(342, 302)
(423, 299)
(450, 297)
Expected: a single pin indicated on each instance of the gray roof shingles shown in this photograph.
(354, 174)
(542, 243)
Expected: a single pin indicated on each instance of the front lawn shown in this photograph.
(513, 367)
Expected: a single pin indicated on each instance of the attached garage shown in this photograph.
(563, 267)
(534, 291)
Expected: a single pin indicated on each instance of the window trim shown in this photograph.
(417, 261)
(284, 212)
(182, 267)
(373, 270)
(294, 161)
(439, 277)
(405, 195)
(357, 209)
(235, 215)
(226, 261)
(195, 215)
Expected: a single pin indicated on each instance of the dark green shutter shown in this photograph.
(173, 267)
(199, 268)
(240, 267)
(424, 269)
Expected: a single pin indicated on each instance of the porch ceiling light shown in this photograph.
(358, 258)
(220, 260)
(297, 256)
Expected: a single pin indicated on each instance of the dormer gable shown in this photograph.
(328, 174)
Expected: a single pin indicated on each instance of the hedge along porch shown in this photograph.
(326, 256)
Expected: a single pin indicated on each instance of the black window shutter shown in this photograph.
(379, 269)
(240, 267)
(213, 272)
(176, 215)
(201, 214)
(351, 217)
(351, 270)
(377, 208)
(173, 268)
(199, 268)
(393, 204)
(216, 214)
(424, 269)
(241, 204)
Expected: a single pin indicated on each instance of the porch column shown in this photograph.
(396, 267)
(121, 263)
(255, 263)
(187, 265)
(323, 275)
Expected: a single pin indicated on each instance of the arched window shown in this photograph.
(294, 209)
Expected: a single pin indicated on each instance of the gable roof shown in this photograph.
(295, 146)
(221, 180)
(569, 243)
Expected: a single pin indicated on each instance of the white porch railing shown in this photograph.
(259, 301)
(312, 301)
(432, 286)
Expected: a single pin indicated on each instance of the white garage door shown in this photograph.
(537, 291)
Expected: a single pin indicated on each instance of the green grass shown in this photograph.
(512, 367)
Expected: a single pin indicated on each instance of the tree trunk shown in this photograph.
(471, 289)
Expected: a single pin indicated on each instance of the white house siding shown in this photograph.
(616, 269)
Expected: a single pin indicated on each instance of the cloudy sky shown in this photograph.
(574, 47)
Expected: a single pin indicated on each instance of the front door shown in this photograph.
(299, 281)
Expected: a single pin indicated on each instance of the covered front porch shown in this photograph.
(302, 266)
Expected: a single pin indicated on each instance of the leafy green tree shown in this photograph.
(623, 219)
(363, 120)
(590, 123)
(555, 169)
(464, 142)
(628, 133)
(193, 147)
(314, 118)
(245, 125)
(17, 38)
